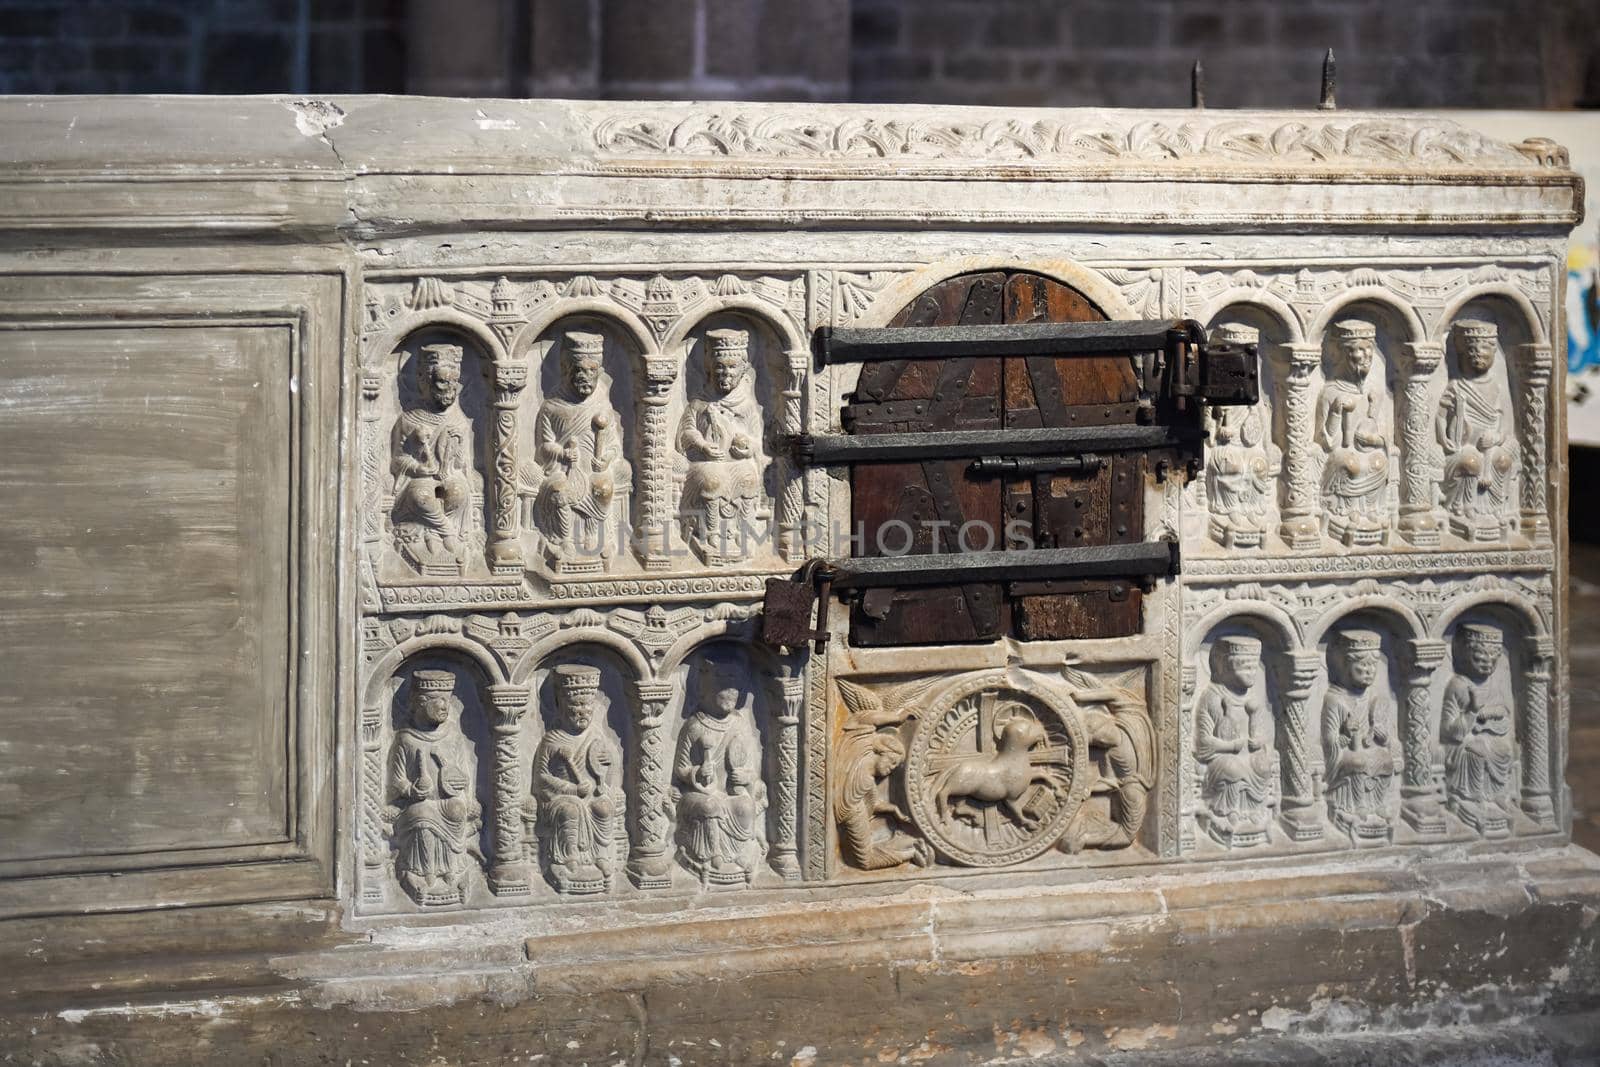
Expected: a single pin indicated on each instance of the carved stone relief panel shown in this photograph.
(621, 488)
(1355, 377)
(608, 425)
(1373, 688)
(434, 498)
(991, 768)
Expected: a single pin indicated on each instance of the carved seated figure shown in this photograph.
(577, 780)
(1234, 740)
(583, 480)
(1477, 727)
(720, 437)
(1358, 738)
(716, 782)
(1352, 427)
(1239, 466)
(435, 529)
(1479, 453)
(433, 814)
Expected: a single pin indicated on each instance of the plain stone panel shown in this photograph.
(144, 575)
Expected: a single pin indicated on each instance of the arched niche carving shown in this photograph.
(1241, 494)
(437, 784)
(1354, 429)
(735, 763)
(731, 481)
(1360, 722)
(433, 479)
(1494, 720)
(1239, 740)
(1490, 426)
(582, 767)
(1093, 285)
(583, 441)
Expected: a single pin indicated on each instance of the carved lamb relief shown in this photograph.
(991, 769)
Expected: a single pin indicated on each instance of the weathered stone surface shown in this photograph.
(455, 491)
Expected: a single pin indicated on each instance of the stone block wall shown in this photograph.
(1052, 53)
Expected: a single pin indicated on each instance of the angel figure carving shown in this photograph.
(865, 755)
(1121, 758)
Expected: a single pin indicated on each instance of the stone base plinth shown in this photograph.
(1190, 966)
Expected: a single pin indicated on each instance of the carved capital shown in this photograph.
(799, 360)
(1424, 655)
(1541, 649)
(371, 384)
(1537, 363)
(1425, 357)
(659, 373)
(794, 698)
(653, 698)
(1300, 673)
(509, 379)
(1303, 359)
(510, 702)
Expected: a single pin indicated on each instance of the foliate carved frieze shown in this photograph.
(1092, 139)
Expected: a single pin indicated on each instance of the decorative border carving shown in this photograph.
(1095, 138)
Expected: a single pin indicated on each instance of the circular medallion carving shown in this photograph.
(996, 770)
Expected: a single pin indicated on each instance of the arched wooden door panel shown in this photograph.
(954, 505)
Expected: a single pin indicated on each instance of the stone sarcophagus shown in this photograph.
(585, 552)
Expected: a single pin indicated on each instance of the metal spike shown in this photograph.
(1327, 103)
(1197, 85)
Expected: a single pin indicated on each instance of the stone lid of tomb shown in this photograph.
(420, 162)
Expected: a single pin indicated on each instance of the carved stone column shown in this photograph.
(374, 846)
(374, 466)
(785, 853)
(1300, 527)
(658, 510)
(505, 507)
(509, 876)
(1420, 521)
(1189, 779)
(1301, 817)
(1536, 733)
(1419, 787)
(649, 807)
(792, 506)
(1532, 428)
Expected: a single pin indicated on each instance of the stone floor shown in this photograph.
(1583, 768)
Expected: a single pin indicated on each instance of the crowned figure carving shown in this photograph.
(720, 437)
(433, 812)
(582, 478)
(1239, 462)
(435, 479)
(1476, 724)
(1234, 740)
(1352, 425)
(1480, 452)
(716, 780)
(1358, 737)
(577, 783)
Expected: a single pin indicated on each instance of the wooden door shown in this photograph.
(943, 506)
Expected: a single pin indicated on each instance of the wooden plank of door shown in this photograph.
(1074, 509)
(923, 495)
